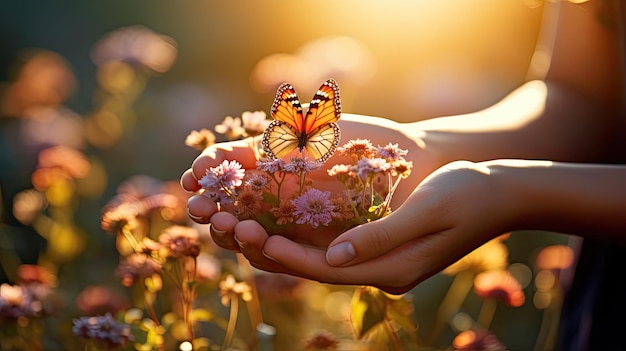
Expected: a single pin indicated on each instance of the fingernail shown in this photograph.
(340, 254)
(216, 232)
(198, 219)
(241, 244)
(269, 257)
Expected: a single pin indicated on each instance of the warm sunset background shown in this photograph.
(405, 60)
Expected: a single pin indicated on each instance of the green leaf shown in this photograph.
(268, 221)
(379, 338)
(400, 312)
(357, 312)
(271, 199)
(370, 305)
(140, 335)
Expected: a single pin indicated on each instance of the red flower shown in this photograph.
(499, 285)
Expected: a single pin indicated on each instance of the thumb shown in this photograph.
(377, 238)
(239, 150)
(362, 243)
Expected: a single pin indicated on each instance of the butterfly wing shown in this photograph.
(323, 142)
(287, 107)
(325, 107)
(279, 139)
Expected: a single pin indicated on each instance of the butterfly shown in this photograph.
(316, 132)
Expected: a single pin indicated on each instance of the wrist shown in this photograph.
(573, 198)
(521, 199)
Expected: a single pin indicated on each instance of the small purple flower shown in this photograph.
(181, 241)
(230, 173)
(218, 195)
(301, 166)
(222, 179)
(257, 181)
(135, 267)
(270, 166)
(17, 301)
(369, 166)
(210, 181)
(313, 207)
(391, 152)
(103, 328)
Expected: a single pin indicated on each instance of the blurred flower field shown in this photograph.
(98, 253)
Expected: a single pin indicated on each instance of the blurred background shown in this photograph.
(125, 82)
(406, 60)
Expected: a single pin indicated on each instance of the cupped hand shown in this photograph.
(250, 238)
(203, 210)
(453, 211)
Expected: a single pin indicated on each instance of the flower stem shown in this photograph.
(149, 298)
(451, 303)
(232, 321)
(487, 311)
(130, 238)
(254, 307)
(189, 292)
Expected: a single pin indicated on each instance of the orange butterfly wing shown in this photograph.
(325, 107)
(287, 107)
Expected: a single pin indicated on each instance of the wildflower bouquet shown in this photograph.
(280, 193)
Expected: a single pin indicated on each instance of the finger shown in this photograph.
(239, 150)
(251, 237)
(188, 182)
(222, 230)
(396, 272)
(416, 218)
(200, 208)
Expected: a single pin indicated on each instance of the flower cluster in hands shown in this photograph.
(279, 193)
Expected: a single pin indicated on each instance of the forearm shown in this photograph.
(573, 113)
(584, 199)
(537, 121)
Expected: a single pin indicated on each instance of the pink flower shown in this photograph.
(135, 267)
(180, 241)
(401, 168)
(314, 207)
(248, 202)
(231, 127)
(254, 123)
(301, 166)
(342, 210)
(227, 175)
(258, 181)
(474, 340)
(284, 213)
(270, 166)
(499, 285)
(343, 172)
(357, 149)
(201, 139)
(370, 166)
(391, 152)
